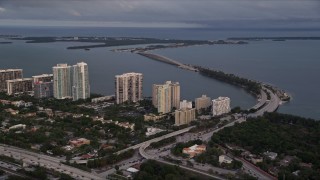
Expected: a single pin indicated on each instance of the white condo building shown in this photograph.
(71, 81)
(166, 96)
(128, 87)
(62, 81)
(81, 87)
(220, 106)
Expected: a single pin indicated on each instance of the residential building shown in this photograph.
(17, 86)
(153, 117)
(43, 86)
(194, 150)
(12, 111)
(271, 155)
(220, 106)
(225, 159)
(153, 131)
(71, 81)
(9, 74)
(22, 104)
(256, 159)
(126, 125)
(43, 89)
(185, 104)
(62, 81)
(79, 142)
(18, 126)
(166, 96)
(102, 99)
(202, 102)
(184, 116)
(43, 78)
(128, 87)
(81, 87)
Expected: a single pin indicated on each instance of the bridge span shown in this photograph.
(167, 60)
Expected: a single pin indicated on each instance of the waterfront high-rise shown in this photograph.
(163, 96)
(166, 96)
(184, 116)
(81, 87)
(43, 86)
(202, 102)
(71, 81)
(62, 81)
(9, 74)
(17, 86)
(128, 87)
(220, 106)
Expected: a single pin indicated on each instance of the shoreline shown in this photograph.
(268, 97)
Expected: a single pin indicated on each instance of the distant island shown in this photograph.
(6, 42)
(272, 38)
(121, 41)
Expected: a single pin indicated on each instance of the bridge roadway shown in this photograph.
(175, 133)
(48, 162)
(262, 101)
(167, 60)
(270, 106)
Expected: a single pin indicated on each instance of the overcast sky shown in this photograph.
(162, 13)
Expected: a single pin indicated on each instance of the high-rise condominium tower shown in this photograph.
(71, 81)
(166, 96)
(128, 87)
(81, 87)
(62, 81)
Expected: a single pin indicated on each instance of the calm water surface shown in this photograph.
(291, 65)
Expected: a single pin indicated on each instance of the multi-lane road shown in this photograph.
(48, 162)
(269, 106)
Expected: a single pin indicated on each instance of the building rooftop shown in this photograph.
(17, 80)
(8, 70)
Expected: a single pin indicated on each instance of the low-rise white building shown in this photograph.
(153, 117)
(220, 106)
(271, 155)
(101, 99)
(18, 126)
(225, 159)
(153, 131)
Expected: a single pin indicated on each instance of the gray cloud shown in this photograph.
(196, 13)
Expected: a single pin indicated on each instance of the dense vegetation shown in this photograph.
(249, 85)
(111, 159)
(286, 135)
(157, 171)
